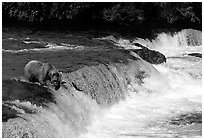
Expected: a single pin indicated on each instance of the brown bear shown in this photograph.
(44, 73)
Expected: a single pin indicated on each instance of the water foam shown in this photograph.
(184, 41)
(149, 105)
(48, 47)
(68, 117)
(146, 113)
(149, 108)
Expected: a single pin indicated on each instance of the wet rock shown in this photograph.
(185, 119)
(153, 57)
(196, 55)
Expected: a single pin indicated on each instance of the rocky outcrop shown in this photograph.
(196, 55)
(151, 56)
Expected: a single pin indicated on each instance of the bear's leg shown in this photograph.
(42, 81)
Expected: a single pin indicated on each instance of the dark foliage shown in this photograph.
(121, 13)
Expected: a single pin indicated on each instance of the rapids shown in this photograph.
(117, 95)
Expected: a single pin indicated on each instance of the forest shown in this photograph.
(128, 15)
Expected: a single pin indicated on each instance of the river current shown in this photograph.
(167, 103)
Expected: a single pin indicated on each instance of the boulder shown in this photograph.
(151, 56)
(196, 55)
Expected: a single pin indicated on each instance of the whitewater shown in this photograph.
(149, 109)
(160, 106)
(164, 101)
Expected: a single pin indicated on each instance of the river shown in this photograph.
(111, 93)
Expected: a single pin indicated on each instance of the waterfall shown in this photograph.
(117, 94)
(169, 44)
(66, 112)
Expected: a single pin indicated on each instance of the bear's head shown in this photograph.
(55, 78)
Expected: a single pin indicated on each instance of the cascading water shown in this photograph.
(168, 105)
(184, 41)
(149, 109)
(121, 96)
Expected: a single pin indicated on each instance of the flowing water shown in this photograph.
(161, 101)
(155, 109)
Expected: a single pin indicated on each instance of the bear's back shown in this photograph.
(33, 70)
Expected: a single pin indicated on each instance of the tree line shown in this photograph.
(121, 13)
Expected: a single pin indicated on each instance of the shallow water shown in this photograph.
(168, 104)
